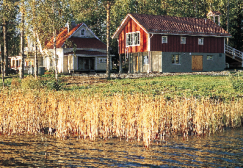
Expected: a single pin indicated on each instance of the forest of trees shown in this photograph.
(39, 20)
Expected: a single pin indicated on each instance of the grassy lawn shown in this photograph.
(218, 87)
(223, 87)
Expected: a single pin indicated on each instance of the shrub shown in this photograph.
(30, 83)
(15, 83)
(53, 85)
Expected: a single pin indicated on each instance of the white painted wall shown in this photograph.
(87, 32)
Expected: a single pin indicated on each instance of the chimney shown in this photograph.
(73, 24)
(67, 25)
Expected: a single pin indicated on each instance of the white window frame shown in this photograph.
(200, 41)
(130, 39)
(145, 60)
(183, 40)
(174, 59)
(209, 57)
(166, 39)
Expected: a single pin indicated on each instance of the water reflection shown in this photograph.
(222, 150)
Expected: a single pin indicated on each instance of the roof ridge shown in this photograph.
(176, 24)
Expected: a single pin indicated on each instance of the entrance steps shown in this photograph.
(234, 54)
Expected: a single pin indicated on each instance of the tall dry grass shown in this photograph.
(139, 116)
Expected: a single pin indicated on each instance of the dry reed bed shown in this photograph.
(139, 116)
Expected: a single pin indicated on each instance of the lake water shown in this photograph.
(224, 149)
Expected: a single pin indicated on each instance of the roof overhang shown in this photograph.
(67, 50)
(123, 24)
(184, 34)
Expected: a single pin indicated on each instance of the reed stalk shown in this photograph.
(133, 117)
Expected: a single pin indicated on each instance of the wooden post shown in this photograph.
(129, 67)
(219, 20)
(228, 21)
(120, 63)
(138, 63)
(242, 59)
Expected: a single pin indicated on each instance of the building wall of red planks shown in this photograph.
(132, 26)
(211, 44)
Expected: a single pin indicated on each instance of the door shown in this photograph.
(197, 62)
(80, 63)
(92, 63)
(86, 63)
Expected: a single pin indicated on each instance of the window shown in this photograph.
(145, 59)
(82, 32)
(133, 39)
(200, 41)
(175, 59)
(164, 39)
(183, 40)
(102, 60)
(209, 57)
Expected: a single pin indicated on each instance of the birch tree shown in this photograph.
(45, 19)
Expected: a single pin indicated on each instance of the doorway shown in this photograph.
(197, 63)
(136, 63)
(86, 63)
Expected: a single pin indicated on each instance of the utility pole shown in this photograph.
(108, 41)
(2, 61)
(21, 72)
(227, 21)
(4, 52)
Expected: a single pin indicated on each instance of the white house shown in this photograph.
(78, 49)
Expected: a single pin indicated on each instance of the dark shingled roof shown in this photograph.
(159, 24)
(88, 43)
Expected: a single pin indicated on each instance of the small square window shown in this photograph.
(200, 41)
(164, 39)
(209, 57)
(102, 60)
(145, 59)
(183, 40)
(175, 59)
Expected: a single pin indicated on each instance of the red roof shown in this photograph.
(80, 42)
(61, 37)
(158, 24)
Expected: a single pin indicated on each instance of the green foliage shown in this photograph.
(237, 81)
(216, 87)
(8, 12)
(31, 83)
(52, 84)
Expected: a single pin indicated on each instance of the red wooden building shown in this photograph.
(171, 44)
